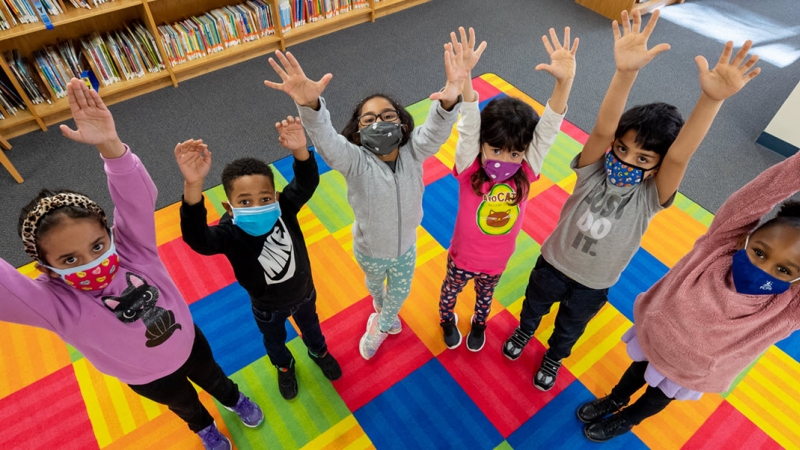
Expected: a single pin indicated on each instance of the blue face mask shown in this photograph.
(258, 220)
(749, 279)
(621, 174)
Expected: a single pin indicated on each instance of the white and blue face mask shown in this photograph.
(258, 220)
(751, 280)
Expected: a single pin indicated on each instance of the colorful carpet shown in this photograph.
(415, 393)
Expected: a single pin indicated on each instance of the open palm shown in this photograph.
(93, 120)
(295, 83)
(193, 159)
(630, 46)
(728, 77)
(562, 57)
(291, 134)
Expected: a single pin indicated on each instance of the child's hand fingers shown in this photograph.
(547, 46)
(742, 53)
(637, 22)
(754, 73)
(554, 38)
(453, 39)
(651, 24)
(626, 23)
(615, 29)
(566, 38)
(476, 56)
(725, 57)
(463, 33)
(278, 69)
(323, 82)
(658, 49)
(702, 64)
(287, 65)
(471, 38)
(575, 46)
(749, 64)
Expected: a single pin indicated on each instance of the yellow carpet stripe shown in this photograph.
(674, 426)
(345, 434)
(122, 410)
(92, 402)
(774, 422)
(568, 183)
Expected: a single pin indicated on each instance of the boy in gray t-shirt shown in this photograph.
(618, 191)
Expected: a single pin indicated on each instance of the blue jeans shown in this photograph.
(579, 304)
(272, 325)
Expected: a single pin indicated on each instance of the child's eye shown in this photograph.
(759, 253)
(496, 151)
(245, 202)
(642, 160)
(784, 270)
(98, 247)
(515, 155)
(621, 149)
(70, 260)
(266, 199)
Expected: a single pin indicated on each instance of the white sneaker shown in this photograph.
(397, 327)
(372, 339)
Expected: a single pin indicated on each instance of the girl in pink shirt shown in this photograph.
(499, 153)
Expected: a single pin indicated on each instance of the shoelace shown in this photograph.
(609, 406)
(519, 338)
(612, 424)
(550, 366)
(244, 408)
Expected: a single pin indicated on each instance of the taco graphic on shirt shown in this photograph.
(496, 215)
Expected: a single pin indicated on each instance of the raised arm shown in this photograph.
(469, 126)
(335, 149)
(725, 80)
(630, 55)
(25, 301)
(132, 190)
(306, 174)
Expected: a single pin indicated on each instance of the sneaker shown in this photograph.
(249, 412)
(452, 337)
(287, 381)
(607, 429)
(213, 439)
(514, 345)
(476, 338)
(595, 410)
(545, 377)
(330, 367)
(397, 327)
(372, 339)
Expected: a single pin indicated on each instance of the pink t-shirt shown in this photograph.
(487, 226)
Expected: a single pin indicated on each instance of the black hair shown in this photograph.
(56, 216)
(506, 123)
(788, 214)
(350, 130)
(656, 126)
(243, 167)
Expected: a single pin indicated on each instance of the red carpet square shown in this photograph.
(728, 428)
(364, 380)
(195, 275)
(502, 389)
(433, 169)
(541, 214)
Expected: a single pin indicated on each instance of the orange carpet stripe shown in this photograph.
(674, 426)
(168, 221)
(671, 235)
(602, 334)
(33, 354)
(539, 186)
(346, 434)
(427, 247)
(313, 229)
(516, 93)
(338, 278)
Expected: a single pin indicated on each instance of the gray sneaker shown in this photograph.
(397, 327)
(372, 339)
(213, 439)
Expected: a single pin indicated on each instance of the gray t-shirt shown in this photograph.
(601, 226)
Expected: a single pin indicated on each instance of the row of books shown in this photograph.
(16, 12)
(10, 101)
(216, 30)
(296, 13)
(120, 55)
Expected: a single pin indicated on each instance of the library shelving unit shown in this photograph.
(613, 8)
(75, 23)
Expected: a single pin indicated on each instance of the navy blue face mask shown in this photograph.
(749, 279)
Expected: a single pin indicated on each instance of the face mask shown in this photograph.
(749, 279)
(93, 276)
(257, 221)
(621, 174)
(381, 138)
(499, 171)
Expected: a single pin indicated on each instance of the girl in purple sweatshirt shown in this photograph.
(105, 291)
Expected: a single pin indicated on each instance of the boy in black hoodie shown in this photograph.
(262, 239)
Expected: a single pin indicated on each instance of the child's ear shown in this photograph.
(227, 207)
(46, 271)
(740, 242)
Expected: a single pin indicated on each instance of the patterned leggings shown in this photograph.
(454, 283)
(389, 282)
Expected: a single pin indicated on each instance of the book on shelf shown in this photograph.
(216, 30)
(10, 102)
(27, 77)
(87, 3)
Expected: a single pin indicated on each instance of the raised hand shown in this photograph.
(295, 83)
(457, 71)
(291, 134)
(93, 120)
(630, 46)
(727, 78)
(562, 58)
(470, 54)
(194, 160)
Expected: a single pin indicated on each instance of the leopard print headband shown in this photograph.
(48, 205)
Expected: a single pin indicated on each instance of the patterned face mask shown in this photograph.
(93, 276)
(621, 174)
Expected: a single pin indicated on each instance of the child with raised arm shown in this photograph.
(262, 239)
(629, 170)
(105, 291)
(380, 155)
(499, 153)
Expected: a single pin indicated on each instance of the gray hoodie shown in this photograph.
(387, 205)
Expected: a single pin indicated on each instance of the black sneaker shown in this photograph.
(595, 410)
(514, 345)
(452, 337)
(287, 381)
(607, 429)
(476, 337)
(545, 377)
(330, 367)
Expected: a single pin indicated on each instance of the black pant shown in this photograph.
(579, 304)
(175, 390)
(273, 326)
(649, 404)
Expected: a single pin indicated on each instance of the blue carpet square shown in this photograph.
(284, 165)
(440, 203)
(227, 322)
(791, 346)
(556, 426)
(482, 104)
(427, 409)
(642, 272)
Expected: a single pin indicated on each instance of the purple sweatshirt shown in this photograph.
(129, 351)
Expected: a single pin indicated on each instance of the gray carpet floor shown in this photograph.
(401, 54)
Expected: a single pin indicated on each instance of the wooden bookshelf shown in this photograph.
(75, 22)
(613, 8)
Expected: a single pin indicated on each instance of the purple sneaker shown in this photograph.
(213, 439)
(249, 412)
